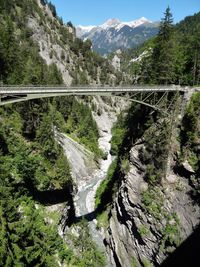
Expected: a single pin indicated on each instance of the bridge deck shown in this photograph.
(12, 90)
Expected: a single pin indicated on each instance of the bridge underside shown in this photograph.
(162, 101)
(10, 99)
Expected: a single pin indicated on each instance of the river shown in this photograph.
(89, 175)
(86, 173)
(85, 197)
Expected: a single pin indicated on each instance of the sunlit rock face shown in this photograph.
(147, 223)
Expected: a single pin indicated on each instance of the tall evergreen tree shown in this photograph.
(163, 53)
(166, 26)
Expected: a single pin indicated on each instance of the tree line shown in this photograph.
(172, 57)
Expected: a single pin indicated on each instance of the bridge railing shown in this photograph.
(89, 86)
(4, 89)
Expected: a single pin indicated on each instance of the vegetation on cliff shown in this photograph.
(33, 168)
(143, 138)
(172, 57)
(190, 143)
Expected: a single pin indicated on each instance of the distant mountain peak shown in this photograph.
(114, 34)
(110, 23)
(86, 28)
(133, 23)
(144, 19)
(113, 23)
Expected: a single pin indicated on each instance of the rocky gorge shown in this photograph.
(88, 173)
(135, 236)
(148, 220)
(145, 223)
(95, 181)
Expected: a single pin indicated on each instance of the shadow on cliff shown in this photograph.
(88, 217)
(52, 197)
(187, 254)
(192, 180)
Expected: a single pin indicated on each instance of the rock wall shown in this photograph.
(147, 223)
(81, 160)
(57, 44)
(134, 235)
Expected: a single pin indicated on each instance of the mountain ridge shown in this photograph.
(114, 34)
(115, 23)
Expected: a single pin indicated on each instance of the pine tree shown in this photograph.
(163, 53)
(166, 26)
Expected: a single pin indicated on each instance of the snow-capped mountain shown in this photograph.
(115, 34)
(113, 23)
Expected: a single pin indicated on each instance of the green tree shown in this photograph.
(163, 53)
(46, 137)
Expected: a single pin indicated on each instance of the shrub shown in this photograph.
(125, 166)
(105, 186)
(143, 230)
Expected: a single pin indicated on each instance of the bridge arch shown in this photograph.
(14, 94)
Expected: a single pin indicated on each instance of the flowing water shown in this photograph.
(85, 198)
(87, 175)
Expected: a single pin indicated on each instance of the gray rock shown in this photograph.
(172, 178)
(132, 231)
(143, 187)
(187, 167)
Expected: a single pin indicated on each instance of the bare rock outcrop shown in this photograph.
(145, 225)
(188, 167)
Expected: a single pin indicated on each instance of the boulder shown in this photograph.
(172, 178)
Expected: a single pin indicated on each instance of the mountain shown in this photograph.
(114, 34)
(146, 213)
(143, 65)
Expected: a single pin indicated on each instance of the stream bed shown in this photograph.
(85, 197)
(86, 173)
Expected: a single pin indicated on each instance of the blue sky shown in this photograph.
(91, 12)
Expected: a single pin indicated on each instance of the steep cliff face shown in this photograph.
(35, 34)
(58, 45)
(149, 220)
(134, 233)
